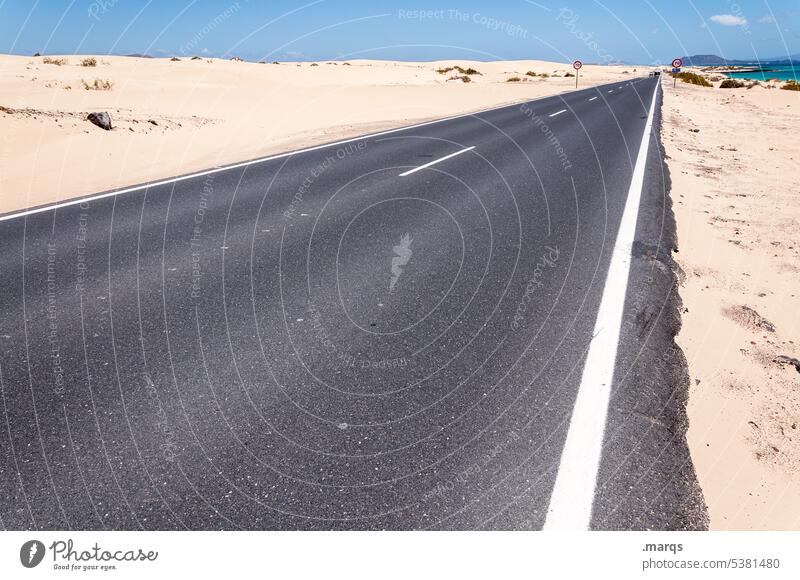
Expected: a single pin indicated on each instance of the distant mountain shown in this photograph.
(709, 60)
(791, 60)
(136, 55)
(785, 58)
(713, 59)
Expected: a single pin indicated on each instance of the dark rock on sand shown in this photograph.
(787, 360)
(102, 120)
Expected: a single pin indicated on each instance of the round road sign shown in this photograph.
(577, 64)
(677, 63)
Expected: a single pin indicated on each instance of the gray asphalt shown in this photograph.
(239, 350)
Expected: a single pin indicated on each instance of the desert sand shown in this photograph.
(732, 153)
(176, 117)
(733, 156)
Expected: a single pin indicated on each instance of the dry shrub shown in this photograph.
(462, 70)
(98, 85)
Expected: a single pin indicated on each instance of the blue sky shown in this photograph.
(636, 31)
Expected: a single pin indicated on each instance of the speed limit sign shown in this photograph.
(677, 63)
(577, 66)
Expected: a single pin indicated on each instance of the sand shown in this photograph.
(736, 197)
(735, 191)
(176, 117)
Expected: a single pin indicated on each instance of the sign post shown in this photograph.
(577, 66)
(676, 68)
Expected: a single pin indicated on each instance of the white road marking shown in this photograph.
(611, 91)
(593, 98)
(558, 113)
(435, 161)
(574, 491)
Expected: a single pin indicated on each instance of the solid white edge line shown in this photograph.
(435, 161)
(558, 113)
(90, 198)
(573, 493)
(593, 98)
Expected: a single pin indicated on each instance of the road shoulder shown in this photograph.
(647, 479)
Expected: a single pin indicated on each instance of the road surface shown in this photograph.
(386, 333)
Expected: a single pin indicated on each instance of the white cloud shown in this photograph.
(205, 51)
(768, 19)
(728, 20)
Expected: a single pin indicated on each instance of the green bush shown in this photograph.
(731, 84)
(693, 79)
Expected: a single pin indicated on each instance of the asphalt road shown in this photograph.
(341, 338)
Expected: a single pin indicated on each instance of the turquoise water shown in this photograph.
(782, 73)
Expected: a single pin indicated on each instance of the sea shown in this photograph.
(763, 72)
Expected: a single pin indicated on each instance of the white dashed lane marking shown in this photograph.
(434, 162)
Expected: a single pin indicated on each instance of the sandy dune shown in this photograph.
(174, 117)
(735, 194)
(735, 191)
